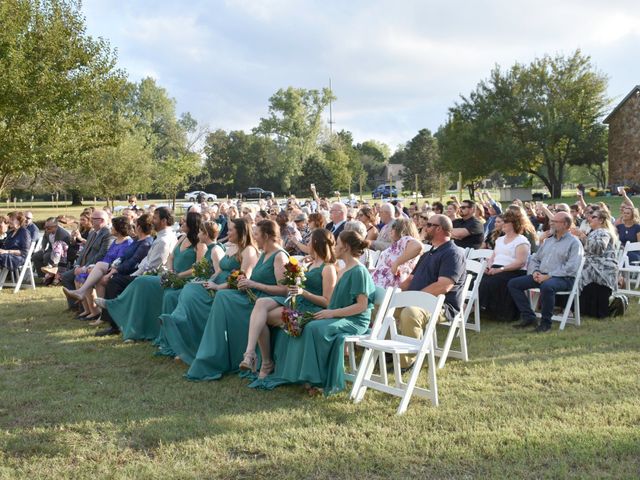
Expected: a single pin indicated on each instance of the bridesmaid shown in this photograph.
(317, 356)
(137, 309)
(225, 335)
(207, 236)
(181, 330)
(320, 282)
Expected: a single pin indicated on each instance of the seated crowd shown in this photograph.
(136, 273)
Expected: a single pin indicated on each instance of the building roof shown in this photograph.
(633, 91)
(394, 169)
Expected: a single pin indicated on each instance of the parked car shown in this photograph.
(254, 192)
(193, 196)
(385, 191)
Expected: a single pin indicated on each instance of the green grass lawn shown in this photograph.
(558, 405)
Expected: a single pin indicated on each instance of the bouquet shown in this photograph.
(293, 277)
(293, 321)
(171, 280)
(159, 270)
(203, 269)
(232, 282)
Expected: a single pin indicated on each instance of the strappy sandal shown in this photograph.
(266, 368)
(248, 362)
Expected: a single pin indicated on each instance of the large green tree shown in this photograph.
(58, 87)
(538, 119)
(419, 157)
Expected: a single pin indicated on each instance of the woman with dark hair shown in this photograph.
(316, 358)
(225, 336)
(137, 310)
(182, 329)
(79, 237)
(509, 260)
(320, 280)
(92, 274)
(17, 243)
(495, 233)
(367, 216)
(4, 228)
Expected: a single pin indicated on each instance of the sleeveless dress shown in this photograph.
(313, 284)
(182, 329)
(225, 336)
(317, 356)
(136, 310)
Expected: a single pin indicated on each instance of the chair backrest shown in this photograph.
(475, 271)
(431, 304)
(373, 257)
(479, 253)
(623, 260)
(382, 299)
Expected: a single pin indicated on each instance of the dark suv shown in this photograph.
(385, 191)
(253, 192)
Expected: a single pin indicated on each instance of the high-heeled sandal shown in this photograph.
(266, 368)
(248, 362)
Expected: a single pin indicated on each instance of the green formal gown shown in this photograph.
(170, 297)
(313, 284)
(136, 311)
(317, 356)
(182, 329)
(225, 336)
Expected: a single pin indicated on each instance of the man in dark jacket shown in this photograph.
(52, 233)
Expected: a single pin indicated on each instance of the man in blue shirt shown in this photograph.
(439, 271)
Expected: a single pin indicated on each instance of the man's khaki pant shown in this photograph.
(413, 321)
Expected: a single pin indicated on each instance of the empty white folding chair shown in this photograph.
(372, 258)
(629, 270)
(472, 301)
(572, 302)
(396, 345)
(383, 296)
(455, 328)
(479, 253)
(25, 269)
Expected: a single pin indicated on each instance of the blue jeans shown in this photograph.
(548, 289)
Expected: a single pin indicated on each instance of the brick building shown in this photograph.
(624, 140)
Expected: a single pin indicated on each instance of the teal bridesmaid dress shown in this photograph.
(136, 311)
(313, 285)
(182, 329)
(225, 336)
(317, 356)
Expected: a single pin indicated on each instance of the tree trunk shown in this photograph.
(76, 200)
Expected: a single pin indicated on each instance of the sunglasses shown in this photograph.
(429, 224)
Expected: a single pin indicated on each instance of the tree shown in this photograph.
(295, 123)
(373, 158)
(538, 119)
(58, 87)
(420, 158)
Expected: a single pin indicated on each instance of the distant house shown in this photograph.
(624, 140)
(392, 173)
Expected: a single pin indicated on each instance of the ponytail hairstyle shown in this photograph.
(210, 229)
(323, 244)
(354, 242)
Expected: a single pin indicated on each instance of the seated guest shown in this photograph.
(320, 281)
(552, 269)
(529, 231)
(490, 241)
(17, 243)
(316, 358)
(133, 203)
(494, 209)
(467, 230)
(338, 216)
(367, 216)
(387, 215)
(79, 237)
(441, 270)
(452, 211)
(316, 220)
(397, 262)
(55, 245)
(158, 254)
(629, 229)
(182, 329)
(98, 242)
(600, 272)
(438, 208)
(34, 231)
(92, 274)
(4, 228)
(137, 309)
(509, 260)
(225, 336)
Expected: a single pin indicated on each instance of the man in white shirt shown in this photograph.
(158, 254)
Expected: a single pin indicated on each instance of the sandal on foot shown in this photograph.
(266, 368)
(248, 362)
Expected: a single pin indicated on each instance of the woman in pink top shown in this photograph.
(397, 261)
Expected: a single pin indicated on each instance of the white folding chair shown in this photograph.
(372, 259)
(572, 301)
(455, 328)
(27, 267)
(479, 254)
(629, 270)
(383, 296)
(477, 269)
(397, 345)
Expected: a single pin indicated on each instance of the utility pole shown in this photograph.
(331, 122)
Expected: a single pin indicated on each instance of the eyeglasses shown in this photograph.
(424, 217)
(96, 218)
(429, 224)
(462, 207)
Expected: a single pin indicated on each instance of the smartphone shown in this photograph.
(313, 185)
(620, 190)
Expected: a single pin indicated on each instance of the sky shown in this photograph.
(395, 66)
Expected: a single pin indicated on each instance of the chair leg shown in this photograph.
(449, 340)
(352, 358)
(382, 364)
(413, 378)
(364, 372)
(3, 277)
(433, 382)
(476, 312)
